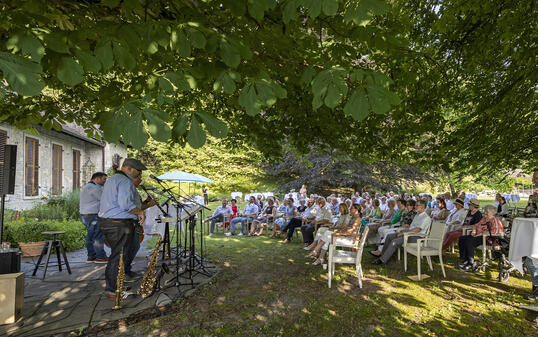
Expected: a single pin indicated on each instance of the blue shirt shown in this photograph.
(250, 209)
(90, 198)
(119, 197)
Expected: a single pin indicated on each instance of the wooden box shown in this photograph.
(11, 297)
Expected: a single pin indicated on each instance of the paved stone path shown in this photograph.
(64, 302)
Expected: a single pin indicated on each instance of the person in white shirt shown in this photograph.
(308, 215)
(250, 212)
(383, 204)
(421, 224)
(323, 216)
(456, 217)
(449, 204)
(219, 214)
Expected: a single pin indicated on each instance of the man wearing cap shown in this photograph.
(473, 216)
(120, 210)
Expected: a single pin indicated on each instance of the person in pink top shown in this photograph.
(489, 224)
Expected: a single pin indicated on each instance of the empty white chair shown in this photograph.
(353, 256)
(429, 246)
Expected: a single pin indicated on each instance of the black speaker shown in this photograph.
(7, 174)
(10, 261)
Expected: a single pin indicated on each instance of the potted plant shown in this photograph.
(28, 235)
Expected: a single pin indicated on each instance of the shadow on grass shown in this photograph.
(266, 288)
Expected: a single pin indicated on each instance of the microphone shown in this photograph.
(155, 178)
(148, 188)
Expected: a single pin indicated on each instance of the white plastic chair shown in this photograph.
(427, 247)
(347, 256)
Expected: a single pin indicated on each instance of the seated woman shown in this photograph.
(351, 227)
(473, 216)
(375, 213)
(441, 212)
(342, 222)
(267, 216)
(467, 243)
(502, 208)
(531, 211)
(235, 211)
(406, 217)
(386, 219)
(288, 212)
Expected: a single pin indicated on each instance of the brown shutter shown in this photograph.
(32, 167)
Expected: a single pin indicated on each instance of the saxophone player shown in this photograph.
(120, 210)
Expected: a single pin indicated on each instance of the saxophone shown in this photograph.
(147, 287)
(119, 284)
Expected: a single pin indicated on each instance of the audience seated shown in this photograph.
(308, 214)
(266, 216)
(420, 225)
(473, 216)
(456, 218)
(467, 243)
(218, 215)
(323, 217)
(502, 208)
(406, 219)
(385, 220)
(323, 236)
(288, 212)
(250, 212)
(441, 212)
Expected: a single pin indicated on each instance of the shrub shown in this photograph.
(65, 206)
(30, 230)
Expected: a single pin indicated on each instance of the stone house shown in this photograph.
(53, 162)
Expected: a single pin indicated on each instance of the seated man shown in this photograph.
(219, 214)
(308, 214)
(250, 212)
(323, 217)
(420, 225)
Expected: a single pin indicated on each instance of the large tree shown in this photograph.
(391, 80)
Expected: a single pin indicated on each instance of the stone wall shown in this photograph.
(93, 158)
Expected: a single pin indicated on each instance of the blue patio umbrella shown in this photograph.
(182, 176)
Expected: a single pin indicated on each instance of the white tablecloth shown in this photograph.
(523, 241)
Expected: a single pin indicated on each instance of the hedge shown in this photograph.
(29, 230)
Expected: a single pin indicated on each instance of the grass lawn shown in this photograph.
(266, 288)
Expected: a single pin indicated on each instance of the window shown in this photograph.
(3, 141)
(32, 167)
(76, 169)
(57, 168)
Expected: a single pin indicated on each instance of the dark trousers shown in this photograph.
(392, 243)
(292, 224)
(135, 247)
(119, 235)
(467, 245)
(308, 232)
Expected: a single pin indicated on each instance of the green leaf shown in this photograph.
(183, 45)
(23, 75)
(196, 135)
(256, 9)
(378, 98)
(290, 11)
(237, 7)
(28, 44)
(308, 75)
(225, 83)
(248, 99)
(180, 126)
(357, 75)
(90, 63)
(111, 123)
(361, 12)
(229, 54)
(134, 133)
(197, 38)
(165, 85)
(123, 57)
(181, 81)
(329, 86)
(57, 42)
(357, 105)
(111, 3)
(157, 127)
(330, 7)
(313, 7)
(104, 53)
(69, 71)
(216, 127)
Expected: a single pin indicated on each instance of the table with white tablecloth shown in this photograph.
(523, 241)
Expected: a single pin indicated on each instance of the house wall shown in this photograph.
(93, 158)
